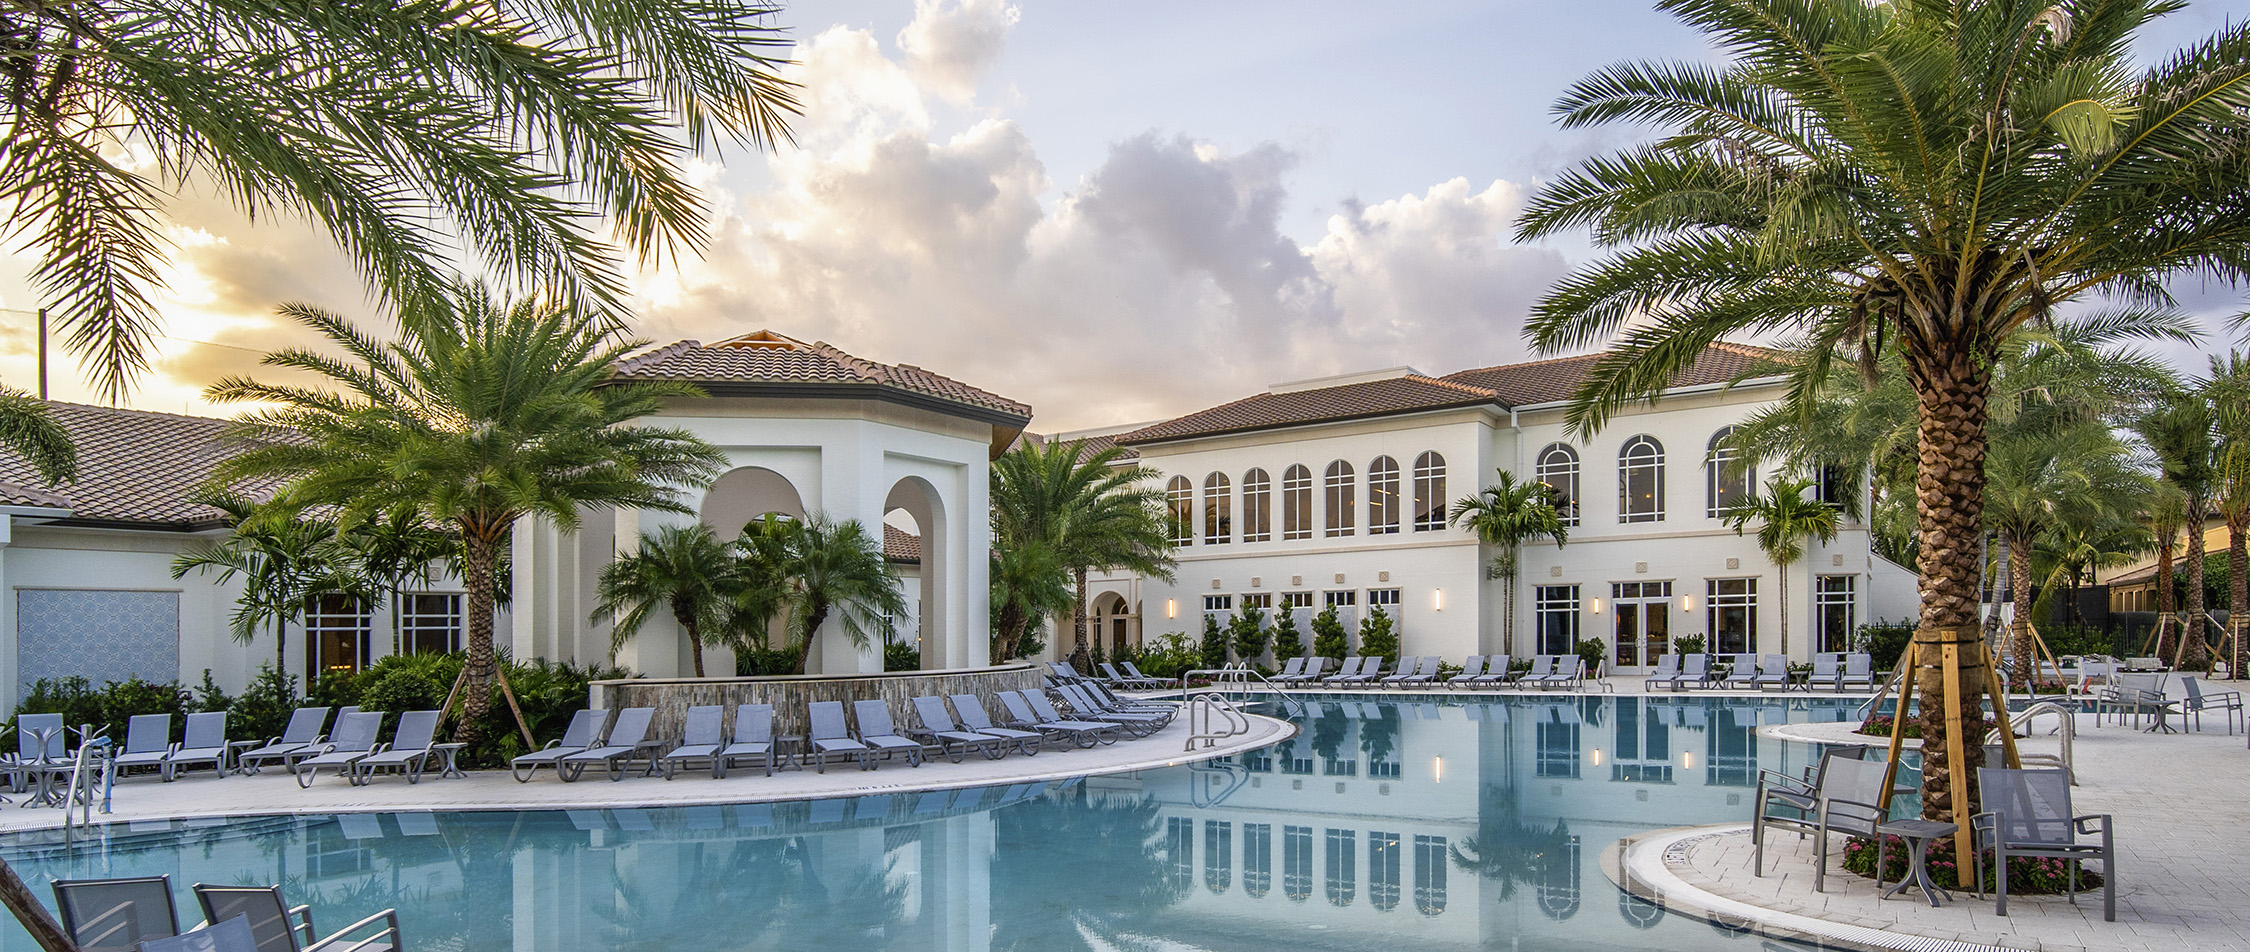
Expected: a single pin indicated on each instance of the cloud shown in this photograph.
(950, 46)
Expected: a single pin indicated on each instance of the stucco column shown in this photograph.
(851, 487)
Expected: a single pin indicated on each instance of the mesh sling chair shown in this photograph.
(2027, 814)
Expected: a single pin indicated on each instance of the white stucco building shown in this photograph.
(1335, 492)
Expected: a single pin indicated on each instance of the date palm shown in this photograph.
(2227, 390)
(1090, 512)
(815, 569)
(2040, 480)
(1028, 583)
(483, 411)
(2179, 429)
(29, 430)
(530, 138)
(1919, 178)
(1505, 515)
(1785, 519)
(685, 569)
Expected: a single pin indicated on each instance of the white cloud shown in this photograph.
(950, 46)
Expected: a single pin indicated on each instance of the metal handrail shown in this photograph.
(1240, 676)
(91, 765)
(1202, 709)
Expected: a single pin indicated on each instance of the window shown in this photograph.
(1180, 496)
(429, 622)
(1644, 744)
(1831, 486)
(1733, 612)
(1257, 859)
(1342, 867)
(1259, 600)
(1429, 874)
(1179, 847)
(1556, 611)
(1257, 507)
(1344, 599)
(1344, 764)
(1556, 742)
(1429, 492)
(1386, 599)
(1557, 466)
(1218, 855)
(1640, 481)
(1382, 870)
(1297, 757)
(1296, 862)
(1296, 599)
(1382, 496)
(1218, 604)
(1296, 503)
(337, 627)
(1728, 478)
(1218, 511)
(1342, 499)
(1835, 612)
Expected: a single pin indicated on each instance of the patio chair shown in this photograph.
(628, 741)
(1827, 672)
(1316, 668)
(974, 717)
(1773, 672)
(1370, 671)
(1063, 672)
(2227, 703)
(1290, 670)
(413, 745)
(939, 731)
(1568, 671)
(880, 735)
(1742, 671)
(1496, 672)
(1135, 670)
(1127, 681)
(1797, 800)
(1081, 733)
(1119, 702)
(1847, 803)
(1859, 669)
(1139, 723)
(301, 733)
(33, 758)
(1407, 666)
(1542, 666)
(233, 935)
(116, 915)
(2027, 815)
(753, 737)
(827, 735)
(1667, 672)
(702, 733)
(1470, 671)
(354, 738)
(279, 927)
(1350, 669)
(584, 732)
(148, 740)
(205, 743)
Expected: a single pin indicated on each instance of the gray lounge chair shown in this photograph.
(353, 739)
(880, 735)
(1127, 681)
(1470, 671)
(938, 730)
(1742, 671)
(1290, 670)
(232, 935)
(973, 716)
(1773, 672)
(753, 737)
(584, 732)
(148, 741)
(279, 927)
(204, 743)
(1370, 671)
(1407, 666)
(1316, 667)
(1695, 671)
(1498, 672)
(1667, 673)
(1082, 733)
(1351, 668)
(1423, 671)
(1569, 672)
(701, 736)
(116, 915)
(829, 736)
(2027, 815)
(302, 732)
(413, 745)
(628, 741)
(1827, 672)
(1859, 669)
(1135, 670)
(1140, 723)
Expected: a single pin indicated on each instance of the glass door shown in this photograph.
(1642, 631)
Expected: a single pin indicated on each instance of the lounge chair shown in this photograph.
(1742, 671)
(204, 743)
(1423, 672)
(2227, 703)
(973, 716)
(1406, 667)
(585, 731)
(1063, 672)
(1827, 672)
(1859, 669)
(1127, 681)
(148, 741)
(353, 738)
(753, 737)
(828, 736)
(702, 733)
(1667, 673)
(1135, 670)
(279, 927)
(1542, 668)
(1566, 671)
(2027, 815)
(628, 740)
(1470, 671)
(1498, 672)
(232, 935)
(1773, 672)
(116, 915)
(1290, 670)
(1119, 702)
(939, 731)
(1351, 668)
(413, 745)
(1082, 733)
(880, 735)
(1316, 667)
(302, 732)
(1139, 723)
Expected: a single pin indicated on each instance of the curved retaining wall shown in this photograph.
(671, 697)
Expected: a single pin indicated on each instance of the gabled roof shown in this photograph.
(136, 469)
(764, 363)
(1501, 387)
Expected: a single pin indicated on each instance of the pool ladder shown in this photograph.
(1240, 678)
(1211, 718)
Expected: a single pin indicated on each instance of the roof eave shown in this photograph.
(852, 391)
(1671, 392)
(1323, 421)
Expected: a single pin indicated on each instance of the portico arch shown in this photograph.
(1111, 620)
(921, 503)
(746, 493)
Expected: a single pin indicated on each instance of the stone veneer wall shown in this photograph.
(671, 697)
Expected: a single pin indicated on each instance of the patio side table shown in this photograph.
(1918, 834)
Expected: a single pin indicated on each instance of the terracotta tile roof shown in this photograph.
(902, 546)
(766, 362)
(17, 494)
(1088, 445)
(135, 468)
(1548, 381)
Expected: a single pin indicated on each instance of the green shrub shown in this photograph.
(262, 711)
(1377, 636)
(397, 691)
(1330, 640)
(1688, 644)
(1248, 632)
(108, 708)
(900, 656)
(1886, 642)
(764, 662)
(549, 694)
(1168, 656)
(1213, 653)
(210, 697)
(2037, 876)
(1593, 652)
(1287, 642)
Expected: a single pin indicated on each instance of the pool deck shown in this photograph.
(202, 794)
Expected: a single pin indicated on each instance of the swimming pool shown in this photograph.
(1459, 823)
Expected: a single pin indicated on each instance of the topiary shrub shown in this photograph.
(1248, 632)
(1287, 641)
(1330, 640)
(1377, 636)
(1213, 653)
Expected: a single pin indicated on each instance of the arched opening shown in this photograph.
(745, 494)
(914, 525)
(1112, 621)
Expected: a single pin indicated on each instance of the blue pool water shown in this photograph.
(1455, 823)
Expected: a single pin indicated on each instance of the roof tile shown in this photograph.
(134, 466)
(764, 357)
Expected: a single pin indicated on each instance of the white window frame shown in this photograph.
(1827, 593)
(1218, 509)
(1558, 467)
(1641, 454)
(1342, 500)
(1180, 496)
(1296, 503)
(1257, 506)
(1722, 492)
(414, 620)
(1383, 501)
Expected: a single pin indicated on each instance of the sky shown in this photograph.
(1116, 212)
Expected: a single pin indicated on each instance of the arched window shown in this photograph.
(1218, 510)
(1429, 492)
(1557, 466)
(1341, 869)
(1297, 862)
(1218, 855)
(1179, 497)
(1382, 870)
(1640, 480)
(1727, 477)
(1257, 506)
(1343, 499)
(1429, 874)
(1296, 503)
(1257, 859)
(1382, 496)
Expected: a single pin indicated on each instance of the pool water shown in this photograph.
(1455, 823)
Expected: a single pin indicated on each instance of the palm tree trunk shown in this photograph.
(480, 558)
(1949, 502)
(814, 617)
(2167, 605)
(1079, 657)
(1508, 604)
(1006, 634)
(1782, 569)
(2197, 653)
(695, 648)
(31, 913)
(2019, 634)
(2238, 589)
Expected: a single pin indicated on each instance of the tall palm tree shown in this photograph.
(2179, 431)
(1920, 178)
(1505, 515)
(28, 429)
(482, 412)
(2227, 390)
(1092, 513)
(1785, 518)
(685, 568)
(1029, 582)
(820, 569)
(285, 560)
(2038, 481)
(393, 549)
(522, 135)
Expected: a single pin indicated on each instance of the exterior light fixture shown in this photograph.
(1687, 603)
(1437, 770)
(1437, 599)
(1597, 606)
(1171, 608)
(1597, 756)
(1687, 760)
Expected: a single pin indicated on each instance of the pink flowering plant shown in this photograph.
(2032, 876)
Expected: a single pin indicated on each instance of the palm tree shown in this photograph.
(482, 412)
(818, 569)
(1505, 515)
(393, 549)
(285, 560)
(687, 569)
(2228, 393)
(1093, 514)
(2179, 430)
(2039, 480)
(520, 135)
(29, 430)
(1785, 520)
(1028, 583)
(1925, 179)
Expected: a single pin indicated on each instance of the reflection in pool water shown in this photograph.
(1460, 823)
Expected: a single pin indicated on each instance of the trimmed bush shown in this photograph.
(2036, 876)
(1377, 636)
(1330, 640)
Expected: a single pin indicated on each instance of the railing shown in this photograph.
(91, 769)
(1240, 678)
(1212, 782)
(2066, 731)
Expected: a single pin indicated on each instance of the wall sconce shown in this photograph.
(1597, 606)
(1437, 770)
(1437, 599)
(1171, 608)
(1687, 760)
(1687, 603)
(1597, 756)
